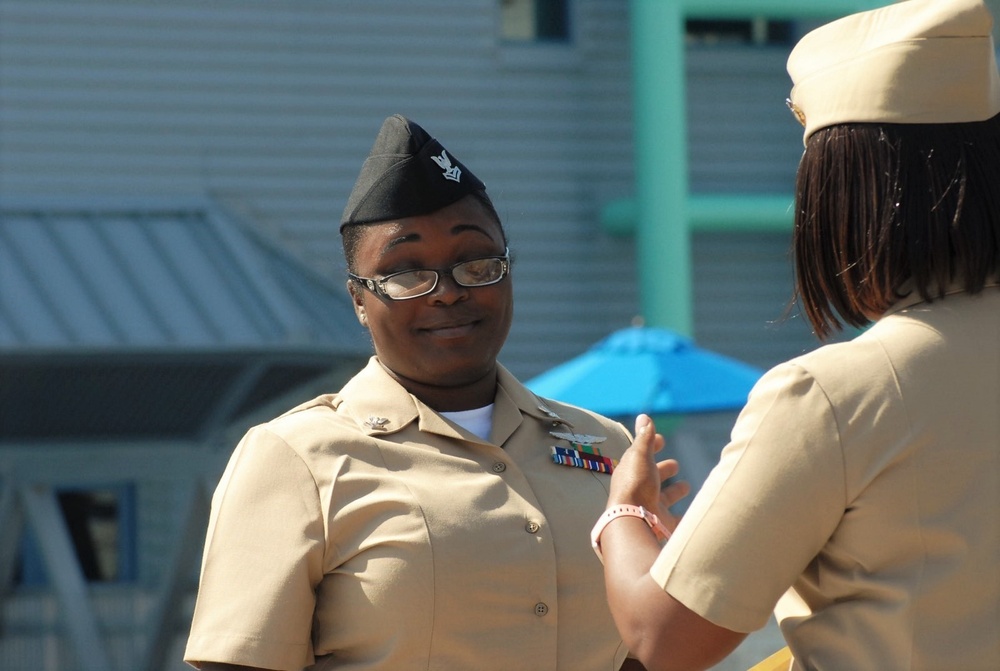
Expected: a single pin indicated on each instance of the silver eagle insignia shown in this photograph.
(452, 172)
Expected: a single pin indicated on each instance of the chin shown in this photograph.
(443, 373)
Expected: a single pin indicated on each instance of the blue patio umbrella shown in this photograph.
(650, 370)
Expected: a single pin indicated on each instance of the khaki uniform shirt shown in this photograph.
(363, 530)
(866, 476)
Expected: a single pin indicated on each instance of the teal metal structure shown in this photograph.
(663, 212)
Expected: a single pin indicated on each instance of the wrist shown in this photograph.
(625, 510)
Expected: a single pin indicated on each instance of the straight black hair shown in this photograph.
(883, 210)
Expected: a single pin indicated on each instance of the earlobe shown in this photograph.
(358, 301)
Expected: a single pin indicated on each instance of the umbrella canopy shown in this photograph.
(650, 370)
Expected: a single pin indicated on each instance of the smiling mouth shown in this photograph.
(456, 330)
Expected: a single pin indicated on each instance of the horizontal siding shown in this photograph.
(30, 621)
(741, 135)
(749, 275)
(271, 107)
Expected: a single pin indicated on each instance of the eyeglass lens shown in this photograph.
(475, 273)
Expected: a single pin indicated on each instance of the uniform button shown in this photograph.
(532, 527)
(541, 609)
(499, 467)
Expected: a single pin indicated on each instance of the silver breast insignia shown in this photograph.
(578, 438)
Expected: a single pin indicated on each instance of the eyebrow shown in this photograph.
(455, 230)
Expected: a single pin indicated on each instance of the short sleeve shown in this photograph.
(765, 510)
(263, 558)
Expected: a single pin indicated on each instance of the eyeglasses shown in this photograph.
(416, 283)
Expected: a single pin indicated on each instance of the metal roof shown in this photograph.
(170, 277)
(154, 320)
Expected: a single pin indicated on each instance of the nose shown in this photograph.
(448, 291)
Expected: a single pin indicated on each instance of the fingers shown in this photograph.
(646, 438)
(642, 425)
(674, 492)
(668, 468)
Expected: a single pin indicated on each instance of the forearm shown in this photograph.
(658, 630)
(629, 549)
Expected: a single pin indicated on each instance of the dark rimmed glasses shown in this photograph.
(409, 284)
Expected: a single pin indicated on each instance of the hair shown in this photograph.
(351, 234)
(886, 209)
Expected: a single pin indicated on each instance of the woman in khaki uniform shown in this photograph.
(434, 513)
(859, 496)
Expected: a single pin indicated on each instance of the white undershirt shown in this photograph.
(478, 421)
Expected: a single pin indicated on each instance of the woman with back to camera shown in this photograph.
(429, 515)
(859, 496)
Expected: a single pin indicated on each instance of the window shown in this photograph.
(759, 31)
(101, 526)
(534, 20)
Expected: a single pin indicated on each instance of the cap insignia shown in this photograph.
(452, 172)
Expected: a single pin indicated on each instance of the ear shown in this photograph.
(358, 300)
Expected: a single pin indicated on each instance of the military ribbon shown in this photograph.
(587, 457)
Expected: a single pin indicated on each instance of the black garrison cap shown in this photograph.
(407, 173)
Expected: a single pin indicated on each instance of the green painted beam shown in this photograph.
(710, 212)
(619, 217)
(735, 212)
(662, 236)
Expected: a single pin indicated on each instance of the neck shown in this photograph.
(476, 394)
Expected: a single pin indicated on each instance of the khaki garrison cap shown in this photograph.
(920, 61)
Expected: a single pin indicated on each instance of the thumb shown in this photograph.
(645, 432)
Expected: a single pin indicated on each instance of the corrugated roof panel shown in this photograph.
(112, 284)
(181, 278)
(197, 265)
(25, 291)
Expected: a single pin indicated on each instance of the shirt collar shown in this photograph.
(380, 406)
(913, 296)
